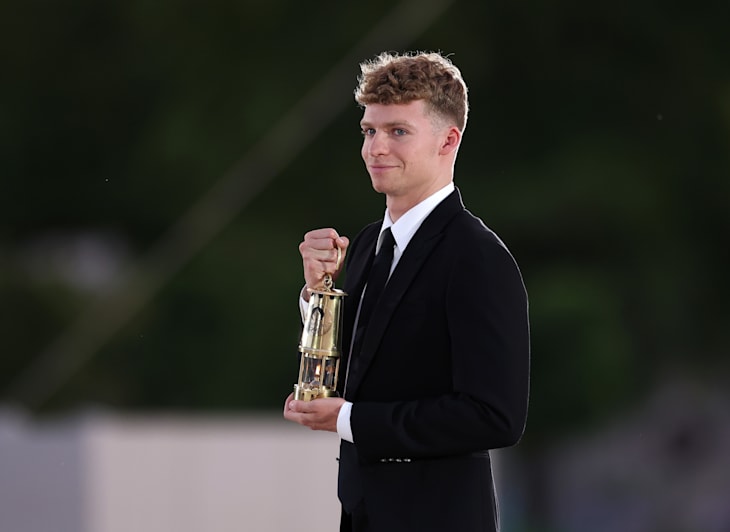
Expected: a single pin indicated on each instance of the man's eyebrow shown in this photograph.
(395, 123)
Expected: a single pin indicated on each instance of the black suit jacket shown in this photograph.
(441, 376)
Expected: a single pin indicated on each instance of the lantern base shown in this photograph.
(302, 394)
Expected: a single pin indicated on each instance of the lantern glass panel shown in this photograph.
(311, 370)
(329, 375)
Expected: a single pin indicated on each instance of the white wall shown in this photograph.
(121, 473)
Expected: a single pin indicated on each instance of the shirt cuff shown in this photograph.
(343, 422)
(303, 303)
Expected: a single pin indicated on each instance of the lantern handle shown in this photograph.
(328, 282)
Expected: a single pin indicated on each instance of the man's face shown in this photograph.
(402, 150)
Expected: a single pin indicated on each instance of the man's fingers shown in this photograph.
(299, 412)
(302, 407)
(323, 252)
(319, 414)
(342, 242)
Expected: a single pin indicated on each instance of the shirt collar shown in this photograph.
(407, 225)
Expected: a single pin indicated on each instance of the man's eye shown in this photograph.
(368, 132)
(399, 132)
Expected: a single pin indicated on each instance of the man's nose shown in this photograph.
(378, 144)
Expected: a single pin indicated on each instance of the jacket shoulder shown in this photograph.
(366, 235)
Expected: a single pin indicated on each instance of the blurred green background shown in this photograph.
(161, 161)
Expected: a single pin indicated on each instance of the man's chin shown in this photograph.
(377, 186)
(381, 184)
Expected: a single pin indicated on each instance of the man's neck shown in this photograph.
(405, 206)
(397, 206)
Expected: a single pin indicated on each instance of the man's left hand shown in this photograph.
(319, 414)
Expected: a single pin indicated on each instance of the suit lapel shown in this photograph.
(359, 260)
(415, 254)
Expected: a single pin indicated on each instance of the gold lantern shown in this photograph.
(320, 344)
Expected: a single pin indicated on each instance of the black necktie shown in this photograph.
(349, 488)
(379, 272)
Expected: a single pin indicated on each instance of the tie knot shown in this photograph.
(387, 241)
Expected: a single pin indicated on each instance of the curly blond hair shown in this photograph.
(393, 78)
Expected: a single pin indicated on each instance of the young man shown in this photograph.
(436, 369)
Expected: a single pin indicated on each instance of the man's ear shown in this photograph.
(451, 141)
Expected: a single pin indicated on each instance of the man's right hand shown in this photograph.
(319, 255)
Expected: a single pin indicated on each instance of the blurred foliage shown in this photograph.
(597, 147)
